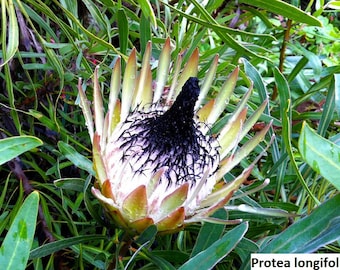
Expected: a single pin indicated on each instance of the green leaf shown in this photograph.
(208, 258)
(148, 11)
(333, 4)
(286, 115)
(223, 32)
(14, 146)
(172, 256)
(321, 154)
(147, 235)
(337, 93)
(44, 120)
(245, 248)
(77, 159)
(52, 247)
(310, 233)
(43, 25)
(76, 184)
(15, 249)
(258, 82)
(12, 39)
(145, 33)
(328, 110)
(91, 35)
(209, 233)
(123, 30)
(284, 9)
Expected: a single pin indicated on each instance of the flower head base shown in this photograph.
(155, 162)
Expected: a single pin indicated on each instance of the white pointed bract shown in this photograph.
(155, 159)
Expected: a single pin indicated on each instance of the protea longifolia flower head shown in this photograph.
(155, 158)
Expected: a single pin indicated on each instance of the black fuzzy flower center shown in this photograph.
(152, 140)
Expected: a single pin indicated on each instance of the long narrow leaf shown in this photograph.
(123, 30)
(284, 9)
(221, 31)
(310, 233)
(10, 42)
(286, 127)
(14, 251)
(337, 93)
(328, 110)
(50, 248)
(209, 233)
(148, 12)
(77, 159)
(321, 154)
(14, 146)
(208, 258)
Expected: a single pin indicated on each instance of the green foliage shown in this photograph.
(215, 252)
(284, 9)
(16, 246)
(10, 38)
(77, 159)
(321, 154)
(14, 146)
(309, 233)
(46, 46)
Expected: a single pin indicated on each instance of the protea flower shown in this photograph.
(155, 158)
